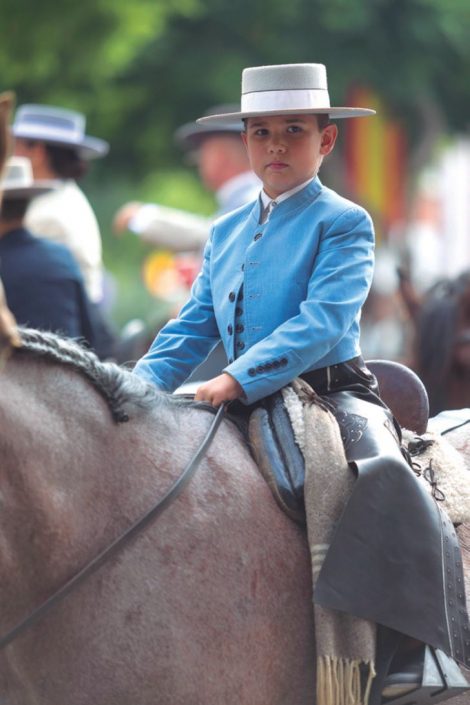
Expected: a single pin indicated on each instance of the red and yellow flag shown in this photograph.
(376, 158)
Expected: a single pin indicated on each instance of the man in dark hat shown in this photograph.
(43, 284)
(224, 169)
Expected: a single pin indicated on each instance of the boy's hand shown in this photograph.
(220, 389)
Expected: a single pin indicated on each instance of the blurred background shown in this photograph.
(139, 70)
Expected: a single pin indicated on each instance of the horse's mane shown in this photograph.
(121, 390)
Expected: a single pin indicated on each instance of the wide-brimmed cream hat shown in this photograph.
(286, 89)
(59, 126)
(18, 181)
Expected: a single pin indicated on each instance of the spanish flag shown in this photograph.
(376, 162)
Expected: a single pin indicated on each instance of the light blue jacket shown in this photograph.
(303, 275)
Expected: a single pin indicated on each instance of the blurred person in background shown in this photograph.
(54, 140)
(43, 284)
(223, 167)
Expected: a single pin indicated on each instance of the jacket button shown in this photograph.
(238, 311)
(229, 329)
(231, 296)
(257, 236)
(283, 361)
(276, 364)
(252, 372)
(269, 365)
(239, 328)
(260, 369)
(241, 345)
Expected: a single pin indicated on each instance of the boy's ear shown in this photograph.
(328, 139)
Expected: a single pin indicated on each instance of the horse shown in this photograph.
(9, 335)
(210, 605)
(441, 347)
(8, 329)
(6, 104)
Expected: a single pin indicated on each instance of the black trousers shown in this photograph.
(351, 375)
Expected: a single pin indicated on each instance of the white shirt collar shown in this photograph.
(266, 200)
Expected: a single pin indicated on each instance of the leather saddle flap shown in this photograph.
(278, 455)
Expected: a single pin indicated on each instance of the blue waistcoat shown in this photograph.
(285, 297)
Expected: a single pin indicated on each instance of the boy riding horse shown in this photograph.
(282, 285)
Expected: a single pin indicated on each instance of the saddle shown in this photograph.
(273, 439)
(276, 447)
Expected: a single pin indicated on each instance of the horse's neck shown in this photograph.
(73, 479)
(67, 478)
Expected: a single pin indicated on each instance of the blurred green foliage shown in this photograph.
(140, 69)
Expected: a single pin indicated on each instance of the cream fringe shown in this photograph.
(339, 681)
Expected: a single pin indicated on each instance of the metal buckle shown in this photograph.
(328, 378)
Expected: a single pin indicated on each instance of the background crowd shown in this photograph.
(137, 76)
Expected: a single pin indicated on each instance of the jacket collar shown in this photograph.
(300, 199)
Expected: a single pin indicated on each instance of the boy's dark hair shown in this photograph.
(13, 208)
(323, 121)
(64, 161)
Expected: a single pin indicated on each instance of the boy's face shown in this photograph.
(286, 150)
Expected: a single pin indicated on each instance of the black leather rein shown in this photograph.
(118, 543)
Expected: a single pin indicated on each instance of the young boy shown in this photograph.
(282, 284)
(284, 278)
